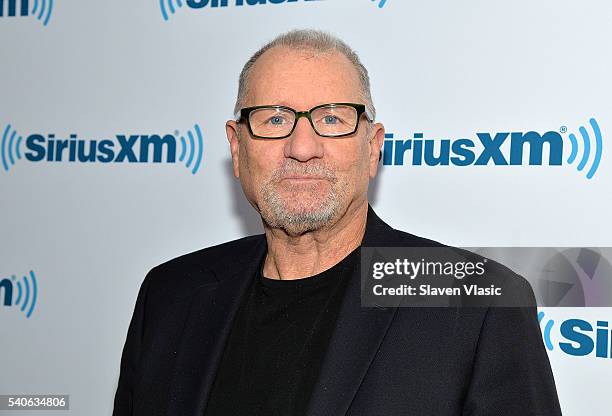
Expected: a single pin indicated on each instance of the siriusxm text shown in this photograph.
(489, 148)
(581, 338)
(125, 148)
(6, 289)
(198, 4)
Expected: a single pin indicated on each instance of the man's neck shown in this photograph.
(295, 257)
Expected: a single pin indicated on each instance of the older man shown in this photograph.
(272, 324)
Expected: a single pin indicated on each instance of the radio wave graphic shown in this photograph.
(44, 13)
(546, 331)
(10, 147)
(586, 140)
(192, 149)
(26, 295)
(169, 4)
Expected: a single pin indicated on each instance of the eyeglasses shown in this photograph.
(327, 120)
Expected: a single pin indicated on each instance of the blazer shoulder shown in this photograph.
(201, 267)
(415, 240)
(394, 237)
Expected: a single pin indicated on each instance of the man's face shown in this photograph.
(304, 182)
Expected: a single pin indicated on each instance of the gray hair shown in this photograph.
(311, 40)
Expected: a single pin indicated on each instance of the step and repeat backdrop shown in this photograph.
(91, 199)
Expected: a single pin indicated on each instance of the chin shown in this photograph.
(299, 215)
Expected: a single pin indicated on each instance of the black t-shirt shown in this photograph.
(278, 340)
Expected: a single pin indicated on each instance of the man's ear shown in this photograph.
(233, 137)
(377, 139)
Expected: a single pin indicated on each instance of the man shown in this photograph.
(272, 324)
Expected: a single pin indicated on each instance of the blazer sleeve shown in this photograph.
(511, 374)
(131, 353)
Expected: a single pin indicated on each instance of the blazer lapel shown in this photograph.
(212, 310)
(353, 345)
(359, 332)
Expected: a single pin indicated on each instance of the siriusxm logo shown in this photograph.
(169, 7)
(20, 294)
(124, 148)
(577, 337)
(41, 9)
(488, 149)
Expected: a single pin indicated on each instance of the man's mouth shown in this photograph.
(305, 178)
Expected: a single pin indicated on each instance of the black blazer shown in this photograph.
(395, 361)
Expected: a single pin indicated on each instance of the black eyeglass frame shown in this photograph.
(244, 114)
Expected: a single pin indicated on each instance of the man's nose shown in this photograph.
(304, 143)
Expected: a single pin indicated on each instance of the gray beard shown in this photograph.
(278, 213)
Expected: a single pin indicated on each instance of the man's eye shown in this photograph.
(276, 120)
(330, 120)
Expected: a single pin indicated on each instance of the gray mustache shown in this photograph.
(318, 171)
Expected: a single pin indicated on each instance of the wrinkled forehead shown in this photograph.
(302, 79)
